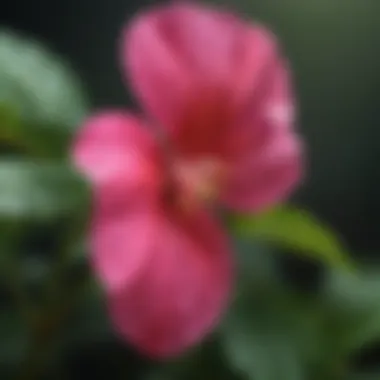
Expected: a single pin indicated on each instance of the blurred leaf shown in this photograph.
(8, 120)
(40, 191)
(256, 265)
(29, 137)
(358, 291)
(42, 95)
(354, 300)
(292, 228)
(257, 334)
(272, 333)
(38, 83)
(259, 345)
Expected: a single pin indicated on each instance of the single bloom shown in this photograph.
(218, 130)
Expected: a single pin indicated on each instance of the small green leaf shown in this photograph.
(43, 97)
(298, 230)
(40, 191)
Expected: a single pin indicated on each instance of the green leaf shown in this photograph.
(257, 331)
(38, 82)
(354, 300)
(256, 265)
(279, 336)
(269, 332)
(40, 191)
(8, 120)
(259, 344)
(30, 138)
(298, 230)
(41, 92)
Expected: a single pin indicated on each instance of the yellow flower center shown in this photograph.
(199, 181)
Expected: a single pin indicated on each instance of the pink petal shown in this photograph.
(118, 155)
(269, 165)
(195, 70)
(269, 112)
(120, 245)
(181, 292)
(266, 177)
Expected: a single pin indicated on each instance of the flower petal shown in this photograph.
(118, 155)
(120, 245)
(195, 70)
(267, 177)
(269, 163)
(180, 294)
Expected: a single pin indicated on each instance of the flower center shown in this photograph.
(198, 181)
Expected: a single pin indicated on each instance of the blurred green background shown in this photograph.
(299, 313)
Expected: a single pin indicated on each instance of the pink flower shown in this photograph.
(219, 127)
